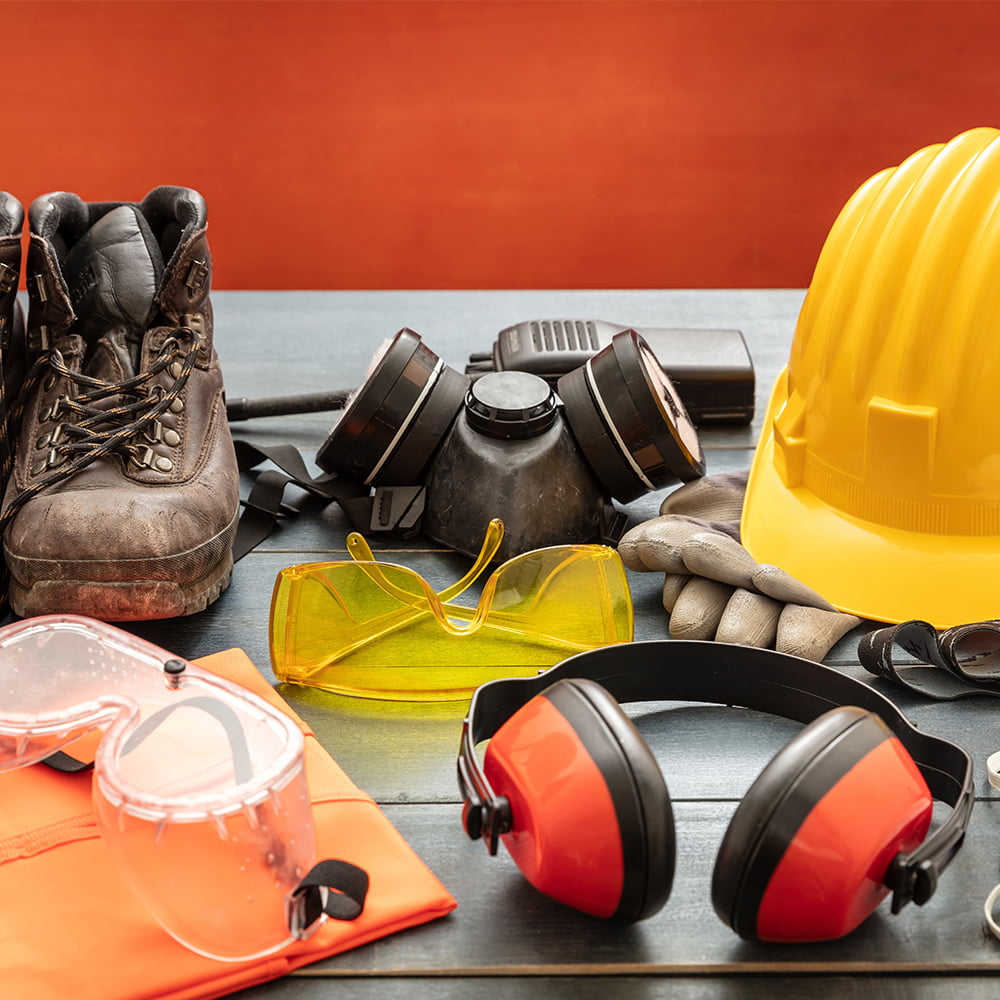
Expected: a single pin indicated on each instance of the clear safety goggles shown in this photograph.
(199, 786)
(378, 630)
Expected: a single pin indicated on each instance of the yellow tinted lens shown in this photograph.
(378, 630)
(563, 599)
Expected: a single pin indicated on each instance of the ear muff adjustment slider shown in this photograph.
(484, 816)
(915, 881)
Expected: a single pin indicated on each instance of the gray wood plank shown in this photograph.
(637, 987)
(505, 937)
(503, 926)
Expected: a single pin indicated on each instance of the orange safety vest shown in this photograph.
(70, 925)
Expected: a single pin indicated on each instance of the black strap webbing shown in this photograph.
(264, 505)
(334, 887)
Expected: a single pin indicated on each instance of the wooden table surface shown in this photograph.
(504, 938)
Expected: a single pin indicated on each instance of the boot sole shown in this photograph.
(132, 600)
(123, 591)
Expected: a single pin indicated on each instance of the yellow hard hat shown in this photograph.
(876, 479)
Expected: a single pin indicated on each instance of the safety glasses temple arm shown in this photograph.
(362, 554)
(415, 605)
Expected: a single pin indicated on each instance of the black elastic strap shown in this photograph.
(957, 662)
(219, 710)
(67, 763)
(718, 673)
(264, 505)
(334, 887)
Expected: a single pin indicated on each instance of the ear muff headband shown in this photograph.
(758, 679)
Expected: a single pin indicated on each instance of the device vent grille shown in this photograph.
(564, 335)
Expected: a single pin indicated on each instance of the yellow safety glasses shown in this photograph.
(378, 630)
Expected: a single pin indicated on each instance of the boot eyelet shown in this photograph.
(163, 464)
(143, 458)
(52, 411)
(171, 437)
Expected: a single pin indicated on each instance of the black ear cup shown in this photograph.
(638, 789)
(806, 849)
(582, 786)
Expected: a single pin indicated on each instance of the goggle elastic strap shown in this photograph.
(333, 888)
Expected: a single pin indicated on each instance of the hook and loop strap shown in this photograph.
(334, 887)
(956, 662)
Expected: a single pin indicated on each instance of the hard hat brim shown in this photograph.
(866, 569)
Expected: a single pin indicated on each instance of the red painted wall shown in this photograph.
(493, 143)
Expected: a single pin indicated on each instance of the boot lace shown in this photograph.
(84, 431)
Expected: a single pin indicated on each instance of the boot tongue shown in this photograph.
(113, 272)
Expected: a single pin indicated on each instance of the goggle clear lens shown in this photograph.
(199, 788)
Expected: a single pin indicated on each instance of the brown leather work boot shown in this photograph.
(124, 496)
(12, 348)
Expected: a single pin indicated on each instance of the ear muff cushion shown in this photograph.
(592, 824)
(805, 853)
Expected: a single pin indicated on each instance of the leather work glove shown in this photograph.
(713, 587)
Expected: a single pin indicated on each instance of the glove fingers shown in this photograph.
(698, 608)
(750, 619)
(811, 632)
(673, 584)
(718, 497)
(656, 545)
(720, 558)
(781, 586)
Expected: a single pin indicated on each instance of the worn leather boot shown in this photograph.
(12, 356)
(124, 496)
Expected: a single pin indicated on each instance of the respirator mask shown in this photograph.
(436, 451)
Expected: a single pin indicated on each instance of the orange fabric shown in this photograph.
(71, 926)
(494, 143)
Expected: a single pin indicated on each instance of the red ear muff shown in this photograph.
(591, 823)
(807, 850)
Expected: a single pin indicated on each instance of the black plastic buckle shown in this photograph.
(911, 883)
(397, 508)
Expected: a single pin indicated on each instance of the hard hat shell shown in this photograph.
(876, 479)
